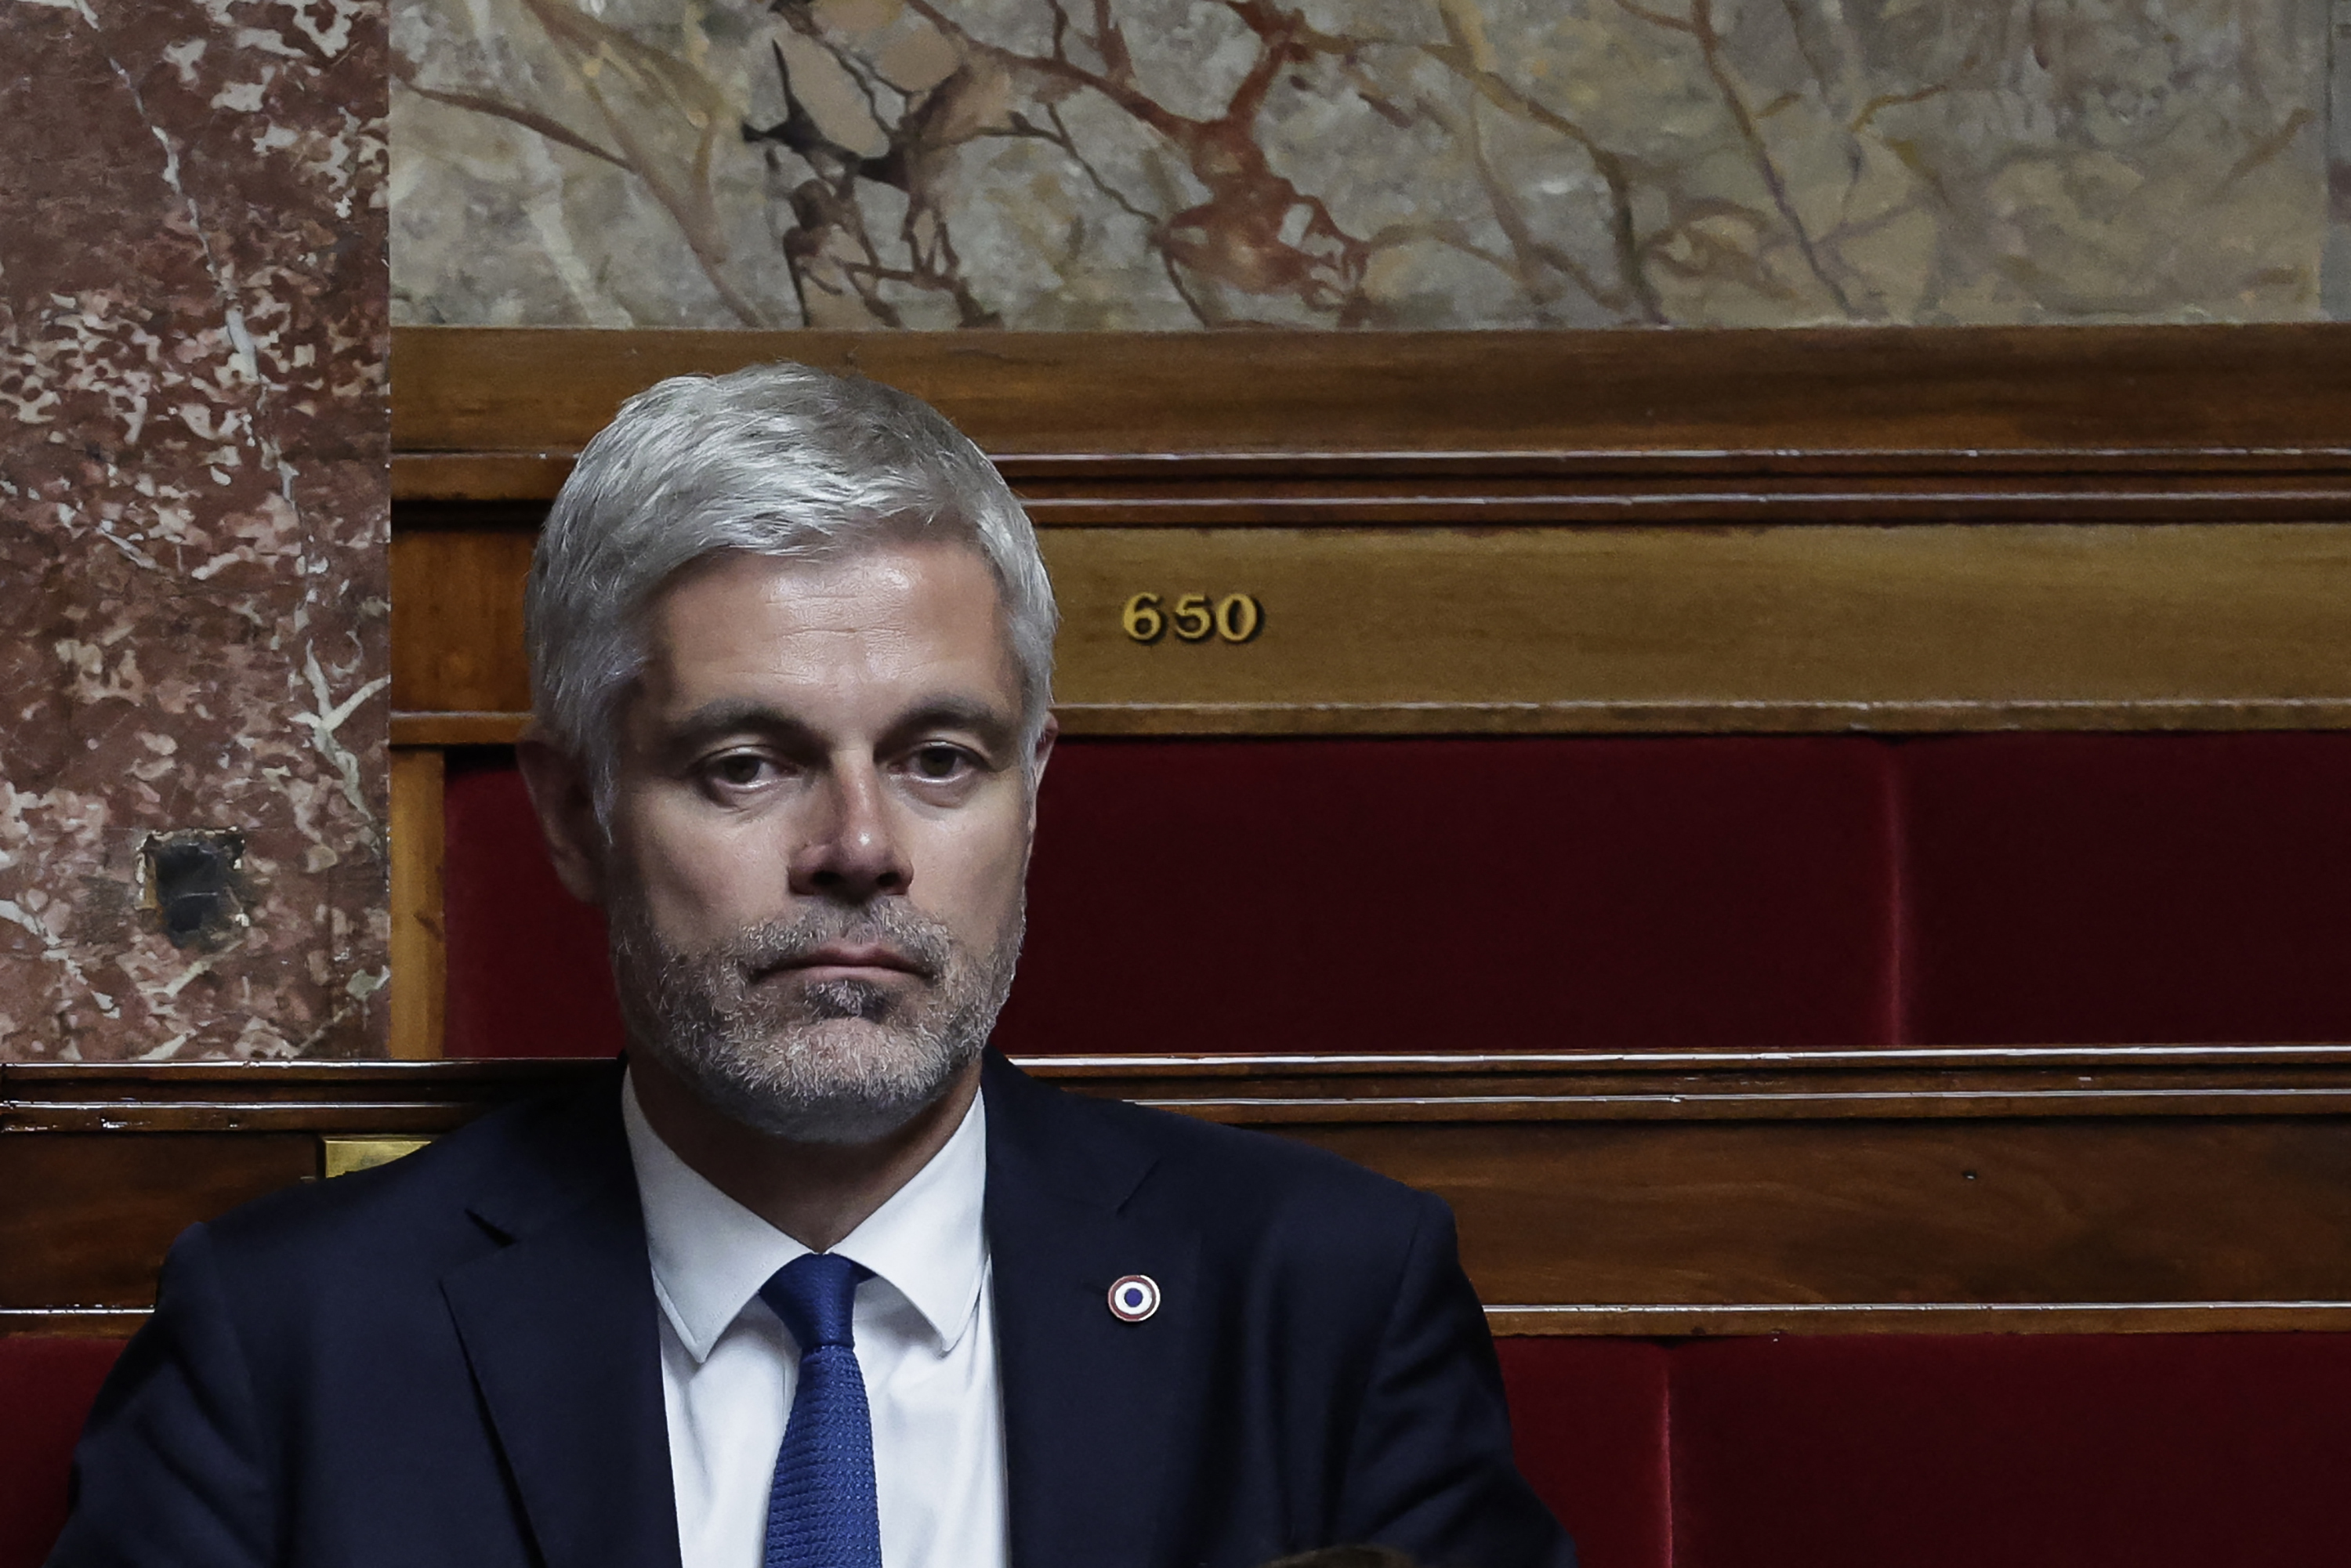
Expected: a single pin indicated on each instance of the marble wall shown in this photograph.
(193, 506)
(1173, 163)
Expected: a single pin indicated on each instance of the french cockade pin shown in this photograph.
(1133, 1298)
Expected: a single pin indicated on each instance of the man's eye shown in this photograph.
(739, 770)
(937, 764)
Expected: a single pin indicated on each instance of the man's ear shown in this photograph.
(567, 815)
(1037, 760)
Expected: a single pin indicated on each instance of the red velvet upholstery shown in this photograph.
(46, 1389)
(2026, 1451)
(1456, 894)
(527, 970)
(2072, 888)
(1588, 1416)
(1537, 894)
(1346, 895)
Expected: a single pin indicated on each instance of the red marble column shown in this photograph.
(194, 520)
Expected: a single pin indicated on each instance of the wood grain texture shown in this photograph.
(1664, 1321)
(1396, 489)
(1574, 630)
(2044, 1210)
(1907, 1083)
(394, 1098)
(1545, 532)
(2230, 390)
(2113, 1189)
(90, 1214)
(456, 620)
(419, 944)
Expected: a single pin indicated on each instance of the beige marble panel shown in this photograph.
(1170, 164)
(193, 524)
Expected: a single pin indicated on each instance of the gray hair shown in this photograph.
(778, 460)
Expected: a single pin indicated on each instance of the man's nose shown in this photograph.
(851, 853)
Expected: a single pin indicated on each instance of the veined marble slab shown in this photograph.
(1174, 163)
(194, 523)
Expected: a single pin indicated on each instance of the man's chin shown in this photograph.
(833, 1091)
(851, 1000)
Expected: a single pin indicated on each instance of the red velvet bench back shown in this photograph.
(2027, 1451)
(1802, 892)
(46, 1389)
(1327, 896)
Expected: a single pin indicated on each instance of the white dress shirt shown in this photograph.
(926, 1329)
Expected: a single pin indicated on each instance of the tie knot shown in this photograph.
(815, 1294)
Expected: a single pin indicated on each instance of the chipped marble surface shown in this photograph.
(1416, 164)
(194, 518)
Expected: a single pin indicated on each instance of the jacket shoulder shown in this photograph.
(427, 1209)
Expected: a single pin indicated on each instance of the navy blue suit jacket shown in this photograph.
(454, 1361)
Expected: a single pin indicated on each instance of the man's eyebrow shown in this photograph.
(993, 726)
(729, 716)
(733, 715)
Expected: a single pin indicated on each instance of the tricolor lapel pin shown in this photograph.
(1133, 1298)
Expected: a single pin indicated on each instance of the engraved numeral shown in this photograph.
(1141, 618)
(1191, 621)
(1237, 617)
(1234, 617)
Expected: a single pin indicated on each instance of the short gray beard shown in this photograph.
(838, 1061)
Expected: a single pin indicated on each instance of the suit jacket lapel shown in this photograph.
(559, 1330)
(1093, 1415)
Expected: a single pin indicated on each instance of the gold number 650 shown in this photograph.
(1234, 619)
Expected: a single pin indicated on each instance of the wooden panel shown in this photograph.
(1294, 489)
(367, 1098)
(1924, 1318)
(2127, 1188)
(2128, 1209)
(2184, 390)
(1930, 628)
(456, 620)
(1908, 1084)
(419, 958)
(2129, 527)
(89, 1214)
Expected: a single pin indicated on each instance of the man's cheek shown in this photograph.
(720, 884)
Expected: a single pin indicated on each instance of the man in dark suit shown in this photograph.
(816, 1281)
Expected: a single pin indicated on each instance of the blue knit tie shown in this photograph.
(822, 1512)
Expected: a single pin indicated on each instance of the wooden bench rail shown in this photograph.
(2125, 1188)
(1536, 532)
(1961, 399)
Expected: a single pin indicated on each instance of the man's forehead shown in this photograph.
(924, 614)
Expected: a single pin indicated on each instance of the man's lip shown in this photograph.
(844, 957)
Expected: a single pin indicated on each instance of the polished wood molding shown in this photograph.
(419, 944)
(1666, 1320)
(443, 730)
(1892, 531)
(1180, 720)
(1933, 628)
(322, 1098)
(1484, 490)
(2142, 1189)
(1904, 1082)
(2270, 399)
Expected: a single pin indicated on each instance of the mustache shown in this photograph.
(759, 951)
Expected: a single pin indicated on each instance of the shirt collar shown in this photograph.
(710, 1254)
